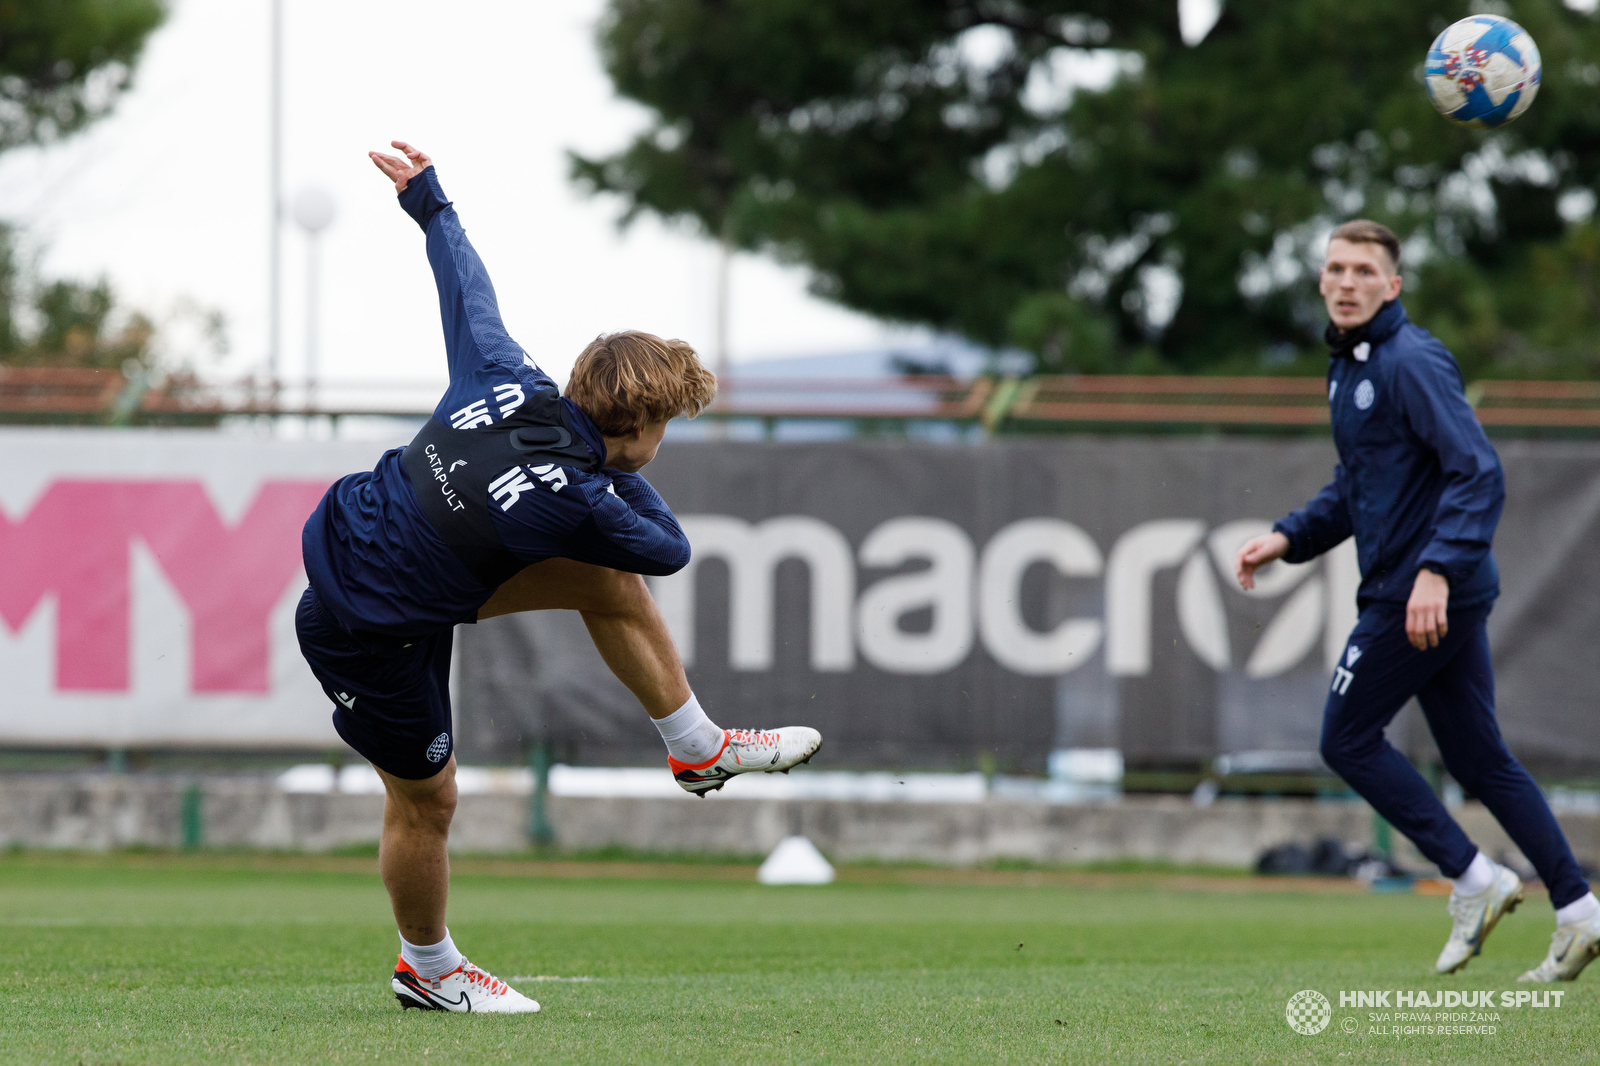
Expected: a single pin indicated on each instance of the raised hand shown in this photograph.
(401, 171)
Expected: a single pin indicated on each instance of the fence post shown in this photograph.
(540, 832)
(193, 818)
(1382, 839)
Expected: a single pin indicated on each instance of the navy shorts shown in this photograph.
(391, 698)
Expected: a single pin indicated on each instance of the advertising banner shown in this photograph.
(924, 604)
(148, 580)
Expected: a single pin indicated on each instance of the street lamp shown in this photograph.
(275, 195)
(313, 211)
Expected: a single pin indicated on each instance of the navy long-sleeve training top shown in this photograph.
(371, 555)
(1418, 483)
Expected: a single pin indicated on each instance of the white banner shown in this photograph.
(148, 587)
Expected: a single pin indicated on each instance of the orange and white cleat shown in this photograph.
(747, 751)
(465, 989)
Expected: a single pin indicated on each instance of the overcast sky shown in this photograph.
(169, 196)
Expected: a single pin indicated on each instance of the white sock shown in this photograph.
(1579, 910)
(431, 960)
(1476, 877)
(691, 737)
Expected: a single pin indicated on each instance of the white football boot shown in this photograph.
(746, 751)
(1572, 948)
(466, 989)
(1475, 918)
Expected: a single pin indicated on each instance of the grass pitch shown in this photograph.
(150, 959)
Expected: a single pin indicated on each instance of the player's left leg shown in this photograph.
(392, 705)
(431, 973)
(412, 853)
(1459, 705)
(634, 641)
(1378, 673)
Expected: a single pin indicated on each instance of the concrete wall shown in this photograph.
(99, 811)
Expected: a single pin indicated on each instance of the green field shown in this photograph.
(136, 959)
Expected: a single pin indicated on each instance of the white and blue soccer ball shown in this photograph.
(1483, 71)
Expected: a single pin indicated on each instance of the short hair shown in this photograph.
(628, 380)
(1365, 231)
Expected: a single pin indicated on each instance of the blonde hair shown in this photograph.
(628, 380)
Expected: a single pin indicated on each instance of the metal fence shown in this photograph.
(999, 405)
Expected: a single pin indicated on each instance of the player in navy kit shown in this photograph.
(512, 497)
(1420, 488)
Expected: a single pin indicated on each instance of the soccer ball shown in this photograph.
(1483, 71)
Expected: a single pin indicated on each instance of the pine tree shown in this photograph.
(63, 65)
(957, 164)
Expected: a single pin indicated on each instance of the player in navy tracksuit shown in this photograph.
(1420, 488)
(510, 498)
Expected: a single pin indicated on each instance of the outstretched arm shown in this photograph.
(473, 331)
(1301, 536)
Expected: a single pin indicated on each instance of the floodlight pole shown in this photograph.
(724, 261)
(313, 210)
(722, 363)
(275, 214)
(313, 313)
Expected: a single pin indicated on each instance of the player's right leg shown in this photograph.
(1573, 946)
(622, 619)
(1459, 703)
(392, 705)
(634, 641)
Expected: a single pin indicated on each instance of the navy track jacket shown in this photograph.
(1418, 483)
(371, 555)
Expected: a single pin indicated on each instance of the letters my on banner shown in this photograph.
(149, 586)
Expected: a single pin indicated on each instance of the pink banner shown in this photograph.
(74, 543)
(147, 584)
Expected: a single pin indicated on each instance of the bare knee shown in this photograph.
(431, 815)
(423, 806)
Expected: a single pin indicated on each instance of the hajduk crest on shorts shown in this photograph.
(1483, 71)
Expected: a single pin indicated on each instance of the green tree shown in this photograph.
(62, 322)
(1073, 179)
(63, 64)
